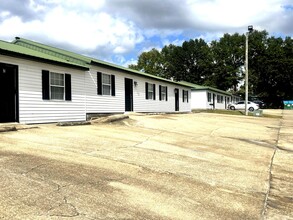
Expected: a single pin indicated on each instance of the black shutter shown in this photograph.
(68, 87)
(99, 83)
(113, 84)
(160, 92)
(45, 85)
(166, 93)
(187, 95)
(182, 95)
(146, 90)
(154, 91)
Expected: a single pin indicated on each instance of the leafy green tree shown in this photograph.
(149, 62)
(272, 70)
(220, 64)
(190, 62)
(197, 61)
(171, 61)
(228, 60)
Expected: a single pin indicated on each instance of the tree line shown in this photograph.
(220, 64)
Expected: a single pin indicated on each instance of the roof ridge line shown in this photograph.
(43, 46)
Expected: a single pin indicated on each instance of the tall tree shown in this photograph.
(190, 62)
(228, 61)
(149, 62)
(171, 60)
(272, 70)
(196, 61)
(221, 64)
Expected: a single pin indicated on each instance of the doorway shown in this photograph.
(128, 95)
(214, 101)
(8, 93)
(176, 99)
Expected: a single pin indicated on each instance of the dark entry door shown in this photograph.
(8, 93)
(214, 101)
(128, 95)
(176, 99)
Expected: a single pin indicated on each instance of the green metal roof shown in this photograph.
(198, 87)
(6, 47)
(81, 59)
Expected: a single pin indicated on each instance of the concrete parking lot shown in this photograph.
(183, 166)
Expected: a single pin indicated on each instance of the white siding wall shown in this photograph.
(32, 108)
(141, 104)
(220, 105)
(104, 104)
(200, 100)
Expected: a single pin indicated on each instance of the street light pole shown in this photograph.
(250, 29)
(246, 73)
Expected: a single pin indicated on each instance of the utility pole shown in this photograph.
(250, 29)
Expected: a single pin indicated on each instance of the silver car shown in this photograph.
(251, 106)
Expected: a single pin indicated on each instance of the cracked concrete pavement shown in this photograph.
(185, 166)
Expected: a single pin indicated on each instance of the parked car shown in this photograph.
(251, 106)
(261, 104)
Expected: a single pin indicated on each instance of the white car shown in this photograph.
(251, 106)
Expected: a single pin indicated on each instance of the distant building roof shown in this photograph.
(199, 87)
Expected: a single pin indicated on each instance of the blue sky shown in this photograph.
(118, 31)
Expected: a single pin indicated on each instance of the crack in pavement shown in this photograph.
(32, 169)
(264, 210)
(148, 138)
(64, 209)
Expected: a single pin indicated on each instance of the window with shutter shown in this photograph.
(163, 93)
(150, 90)
(105, 84)
(56, 86)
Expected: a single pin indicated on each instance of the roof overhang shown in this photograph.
(45, 60)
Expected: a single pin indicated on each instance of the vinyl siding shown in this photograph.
(32, 108)
(199, 100)
(116, 104)
(141, 104)
(103, 103)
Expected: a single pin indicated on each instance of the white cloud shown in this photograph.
(104, 29)
(230, 14)
(85, 31)
(4, 14)
(13, 26)
(176, 42)
(126, 63)
(209, 37)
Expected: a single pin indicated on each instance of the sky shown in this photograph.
(118, 31)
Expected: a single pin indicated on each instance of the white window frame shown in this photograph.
(209, 97)
(163, 93)
(185, 94)
(218, 99)
(57, 86)
(106, 84)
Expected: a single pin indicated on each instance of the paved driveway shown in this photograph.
(186, 166)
